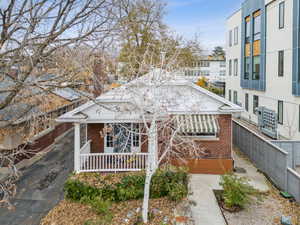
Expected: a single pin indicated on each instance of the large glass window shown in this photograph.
(247, 68)
(281, 15)
(256, 68)
(247, 102)
(230, 68)
(255, 103)
(247, 29)
(229, 95)
(230, 38)
(280, 63)
(280, 112)
(257, 26)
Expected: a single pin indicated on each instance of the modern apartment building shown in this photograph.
(213, 68)
(263, 61)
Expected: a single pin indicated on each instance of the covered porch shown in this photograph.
(98, 149)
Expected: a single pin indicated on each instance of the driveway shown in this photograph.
(41, 186)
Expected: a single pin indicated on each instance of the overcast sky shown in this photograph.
(207, 18)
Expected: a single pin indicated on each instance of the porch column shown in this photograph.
(76, 147)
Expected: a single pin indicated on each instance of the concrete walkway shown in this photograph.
(41, 186)
(206, 210)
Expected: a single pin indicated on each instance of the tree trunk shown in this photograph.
(146, 196)
(151, 168)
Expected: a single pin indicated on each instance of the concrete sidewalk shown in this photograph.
(206, 210)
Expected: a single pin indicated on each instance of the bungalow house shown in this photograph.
(115, 138)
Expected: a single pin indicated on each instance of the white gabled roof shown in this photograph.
(174, 93)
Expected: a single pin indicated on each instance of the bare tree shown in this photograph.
(34, 35)
(31, 31)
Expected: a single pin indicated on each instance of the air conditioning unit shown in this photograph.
(267, 121)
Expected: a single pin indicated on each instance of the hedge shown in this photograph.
(171, 183)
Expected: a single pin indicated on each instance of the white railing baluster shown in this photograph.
(112, 162)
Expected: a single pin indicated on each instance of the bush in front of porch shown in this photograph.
(169, 182)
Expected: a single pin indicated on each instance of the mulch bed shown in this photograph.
(98, 180)
(72, 213)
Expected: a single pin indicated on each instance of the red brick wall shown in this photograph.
(49, 138)
(44, 141)
(93, 133)
(220, 148)
(214, 149)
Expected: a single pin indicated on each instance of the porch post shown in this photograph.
(77, 147)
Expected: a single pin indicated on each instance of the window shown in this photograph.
(135, 135)
(235, 67)
(256, 68)
(223, 64)
(230, 38)
(247, 68)
(230, 68)
(256, 26)
(204, 63)
(280, 112)
(281, 15)
(122, 137)
(229, 95)
(110, 139)
(205, 73)
(247, 102)
(222, 73)
(280, 63)
(235, 97)
(247, 29)
(236, 35)
(255, 103)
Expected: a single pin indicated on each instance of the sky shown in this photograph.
(206, 18)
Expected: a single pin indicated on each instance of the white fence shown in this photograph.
(113, 162)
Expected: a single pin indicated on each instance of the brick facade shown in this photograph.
(93, 134)
(214, 149)
(221, 148)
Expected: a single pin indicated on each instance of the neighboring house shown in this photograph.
(210, 67)
(206, 117)
(30, 122)
(263, 62)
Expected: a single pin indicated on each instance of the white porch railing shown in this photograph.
(113, 162)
